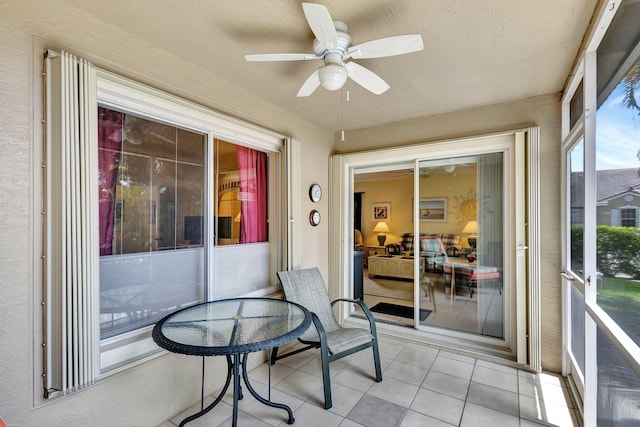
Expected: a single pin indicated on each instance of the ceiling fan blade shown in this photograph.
(366, 78)
(310, 85)
(388, 46)
(280, 57)
(321, 23)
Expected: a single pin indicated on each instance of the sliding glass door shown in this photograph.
(461, 221)
(444, 242)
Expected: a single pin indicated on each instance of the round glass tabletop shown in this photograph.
(232, 326)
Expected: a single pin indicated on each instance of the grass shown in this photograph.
(620, 298)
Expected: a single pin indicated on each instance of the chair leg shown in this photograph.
(376, 360)
(326, 381)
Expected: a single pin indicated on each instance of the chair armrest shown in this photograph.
(454, 250)
(367, 312)
(394, 249)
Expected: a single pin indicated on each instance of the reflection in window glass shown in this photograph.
(151, 179)
(618, 387)
(577, 328)
(576, 197)
(151, 210)
(575, 189)
(576, 105)
(242, 178)
(618, 199)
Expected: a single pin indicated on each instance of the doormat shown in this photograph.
(399, 310)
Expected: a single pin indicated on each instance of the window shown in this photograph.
(152, 198)
(168, 238)
(628, 217)
(153, 204)
(242, 194)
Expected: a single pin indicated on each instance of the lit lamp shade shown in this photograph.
(472, 229)
(381, 228)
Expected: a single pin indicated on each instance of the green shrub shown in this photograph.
(618, 249)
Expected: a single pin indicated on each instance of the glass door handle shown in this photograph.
(567, 276)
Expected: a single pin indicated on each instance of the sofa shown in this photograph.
(451, 243)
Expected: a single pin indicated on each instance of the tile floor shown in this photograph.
(422, 386)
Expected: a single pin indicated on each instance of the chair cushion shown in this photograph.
(432, 244)
(428, 244)
(450, 240)
(340, 339)
(347, 338)
(407, 242)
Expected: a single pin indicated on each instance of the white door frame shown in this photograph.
(524, 346)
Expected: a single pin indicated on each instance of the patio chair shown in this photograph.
(307, 288)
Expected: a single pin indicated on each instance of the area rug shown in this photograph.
(399, 310)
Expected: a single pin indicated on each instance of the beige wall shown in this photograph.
(542, 111)
(399, 192)
(158, 389)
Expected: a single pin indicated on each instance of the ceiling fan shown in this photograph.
(333, 46)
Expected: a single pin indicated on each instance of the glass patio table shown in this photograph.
(232, 328)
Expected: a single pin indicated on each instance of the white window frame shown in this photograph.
(129, 96)
(629, 208)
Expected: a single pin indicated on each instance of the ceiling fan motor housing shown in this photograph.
(342, 45)
(333, 75)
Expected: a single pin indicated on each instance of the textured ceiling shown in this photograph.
(476, 52)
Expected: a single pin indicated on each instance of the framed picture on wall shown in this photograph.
(433, 210)
(380, 212)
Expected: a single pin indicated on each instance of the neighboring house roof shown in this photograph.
(610, 183)
(632, 191)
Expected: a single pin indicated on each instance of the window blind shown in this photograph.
(70, 258)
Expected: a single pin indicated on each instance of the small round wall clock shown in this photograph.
(314, 217)
(315, 193)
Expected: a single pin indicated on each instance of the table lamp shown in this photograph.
(471, 229)
(381, 228)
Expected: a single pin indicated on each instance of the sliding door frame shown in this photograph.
(524, 345)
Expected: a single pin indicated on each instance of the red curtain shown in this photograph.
(252, 165)
(109, 148)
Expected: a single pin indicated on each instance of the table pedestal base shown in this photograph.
(233, 371)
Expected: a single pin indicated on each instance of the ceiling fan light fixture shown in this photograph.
(332, 76)
(449, 168)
